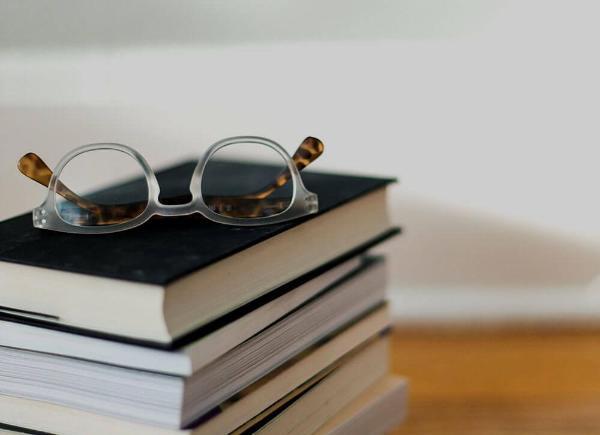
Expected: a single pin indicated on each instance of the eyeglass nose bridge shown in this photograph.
(175, 209)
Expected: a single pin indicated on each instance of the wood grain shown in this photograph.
(506, 381)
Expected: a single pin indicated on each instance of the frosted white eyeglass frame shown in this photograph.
(302, 203)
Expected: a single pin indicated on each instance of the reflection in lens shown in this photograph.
(101, 187)
(247, 180)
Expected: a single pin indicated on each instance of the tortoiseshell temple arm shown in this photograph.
(252, 205)
(309, 150)
(32, 166)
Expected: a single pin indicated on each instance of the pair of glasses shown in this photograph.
(106, 188)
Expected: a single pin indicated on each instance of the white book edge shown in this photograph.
(378, 410)
(334, 393)
(183, 362)
(42, 416)
(164, 313)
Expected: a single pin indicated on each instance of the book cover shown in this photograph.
(163, 250)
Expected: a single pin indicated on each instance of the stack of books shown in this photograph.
(184, 326)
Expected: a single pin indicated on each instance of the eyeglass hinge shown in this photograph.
(312, 203)
(39, 217)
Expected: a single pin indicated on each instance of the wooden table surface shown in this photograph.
(501, 381)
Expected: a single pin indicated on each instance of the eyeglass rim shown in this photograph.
(303, 202)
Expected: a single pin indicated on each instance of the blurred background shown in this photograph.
(486, 111)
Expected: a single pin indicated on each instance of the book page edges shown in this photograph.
(103, 304)
(198, 298)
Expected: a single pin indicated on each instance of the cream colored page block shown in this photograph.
(297, 374)
(332, 394)
(259, 269)
(47, 417)
(378, 410)
(230, 335)
(85, 301)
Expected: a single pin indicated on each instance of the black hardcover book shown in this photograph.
(173, 275)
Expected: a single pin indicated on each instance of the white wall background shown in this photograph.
(487, 111)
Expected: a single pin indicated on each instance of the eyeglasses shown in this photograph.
(244, 180)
